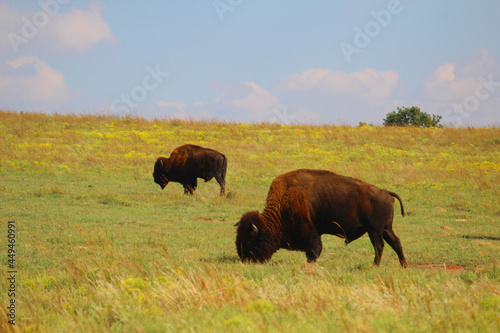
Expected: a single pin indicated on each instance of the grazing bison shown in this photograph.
(304, 204)
(189, 162)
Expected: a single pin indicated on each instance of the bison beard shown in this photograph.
(189, 162)
(304, 204)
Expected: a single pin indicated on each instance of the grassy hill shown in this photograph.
(99, 247)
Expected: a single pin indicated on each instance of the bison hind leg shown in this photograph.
(219, 177)
(222, 183)
(393, 240)
(378, 245)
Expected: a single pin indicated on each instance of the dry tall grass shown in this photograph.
(102, 248)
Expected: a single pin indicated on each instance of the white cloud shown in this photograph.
(10, 20)
(52, 29)
(30, 81)
(445, 73)
(244, 101)
(258, 100)
(312, 96)
(471, 86)
(465, 92)
(341, 97)
(368, 84)
(79, 30)
(443, 85)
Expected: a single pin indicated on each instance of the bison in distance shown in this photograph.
(304, 204)
(189, 162)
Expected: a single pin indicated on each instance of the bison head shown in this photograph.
(253, 241)
(162, 166)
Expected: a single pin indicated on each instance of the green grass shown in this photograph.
(100, 248)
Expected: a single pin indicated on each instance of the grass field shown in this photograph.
(100, 248)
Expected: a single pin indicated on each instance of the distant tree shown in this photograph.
(411, 117)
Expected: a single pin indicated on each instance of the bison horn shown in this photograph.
(255, 230)
(161, 163)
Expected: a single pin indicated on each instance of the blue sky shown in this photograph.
(335, 62)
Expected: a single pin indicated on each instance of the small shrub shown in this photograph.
(411, 117)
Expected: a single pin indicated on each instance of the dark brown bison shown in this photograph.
(189, 162)
(304, 204)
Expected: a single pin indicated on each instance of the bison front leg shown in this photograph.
(190, 187)
(315, 251)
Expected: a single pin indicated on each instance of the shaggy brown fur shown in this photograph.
(304, 204)
(189, 162)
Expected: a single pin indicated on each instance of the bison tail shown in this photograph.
(400, 201)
